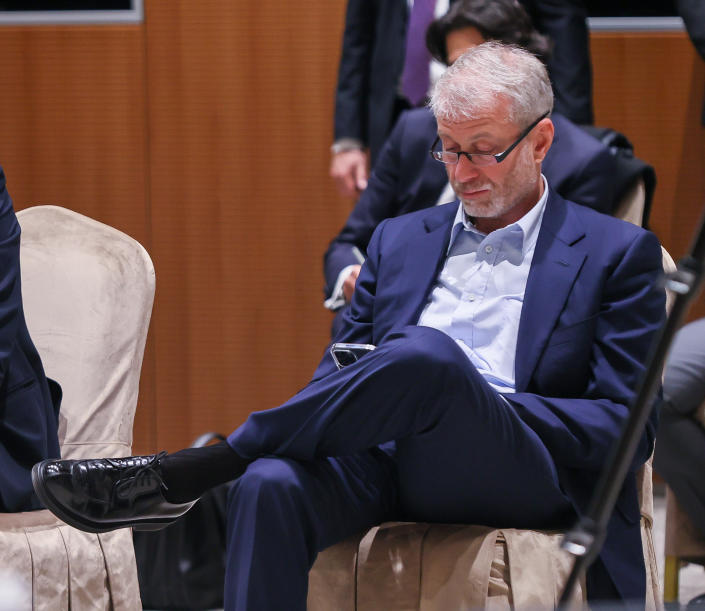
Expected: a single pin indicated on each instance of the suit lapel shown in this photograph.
(554, 268)
(423, 261)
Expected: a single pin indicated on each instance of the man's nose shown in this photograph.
(465, 170)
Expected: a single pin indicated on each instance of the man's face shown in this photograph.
(497, 195)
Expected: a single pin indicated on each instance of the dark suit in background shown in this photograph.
(28, 410)
(693, 14)
(371, 61)
(570, 68)
(406, 178)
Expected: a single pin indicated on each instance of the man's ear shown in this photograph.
(542, 137)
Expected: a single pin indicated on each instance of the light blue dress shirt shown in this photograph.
(479, 293)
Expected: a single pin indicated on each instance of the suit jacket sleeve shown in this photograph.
(580, 430)
(354, 71)
(693, 14)
(358, 320)
(10, 293)
(380, 200)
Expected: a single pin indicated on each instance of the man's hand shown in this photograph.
(349, 170)
(349, 282)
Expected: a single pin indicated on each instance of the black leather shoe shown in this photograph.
(103, 494)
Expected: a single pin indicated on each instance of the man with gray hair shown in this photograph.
(510, 331)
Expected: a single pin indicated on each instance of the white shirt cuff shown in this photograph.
(346, 144)
(337, 298)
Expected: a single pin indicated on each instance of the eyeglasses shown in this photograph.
(481, 159)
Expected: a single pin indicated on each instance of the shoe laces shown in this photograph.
(137, 478)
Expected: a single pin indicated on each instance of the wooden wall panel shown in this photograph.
(72, 115)
(240, 121)
(651, 87)
(72, 118)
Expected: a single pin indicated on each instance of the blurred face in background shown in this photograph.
(459, 41)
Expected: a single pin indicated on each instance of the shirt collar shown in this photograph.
(529, 224)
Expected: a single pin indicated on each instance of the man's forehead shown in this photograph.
(485, 124)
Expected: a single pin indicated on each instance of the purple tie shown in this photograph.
(414, 79)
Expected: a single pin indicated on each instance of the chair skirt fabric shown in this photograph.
(54, 567)
(417, 566)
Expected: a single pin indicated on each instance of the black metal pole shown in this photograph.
(585, 539)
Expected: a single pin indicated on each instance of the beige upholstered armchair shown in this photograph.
(631, 207)
(434, 567)
(87, 291)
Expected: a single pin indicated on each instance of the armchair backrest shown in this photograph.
(87, 292)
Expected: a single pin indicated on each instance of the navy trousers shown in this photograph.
(460, 454)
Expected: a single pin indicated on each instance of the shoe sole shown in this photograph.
(79, 522)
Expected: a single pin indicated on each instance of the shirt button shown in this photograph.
(471, 297)
(488, 249)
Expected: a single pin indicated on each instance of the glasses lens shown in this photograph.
(483, 160)
(445, 157)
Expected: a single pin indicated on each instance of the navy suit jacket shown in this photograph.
(28, 409)
(591, 309)
(406, 178)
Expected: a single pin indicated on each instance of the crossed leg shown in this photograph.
(462, 455)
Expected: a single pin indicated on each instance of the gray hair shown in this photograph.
(488, 73)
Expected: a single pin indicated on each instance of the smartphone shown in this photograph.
(346, 354)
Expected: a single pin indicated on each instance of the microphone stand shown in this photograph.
(585, 539)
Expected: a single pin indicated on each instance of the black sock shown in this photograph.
(188, 473)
